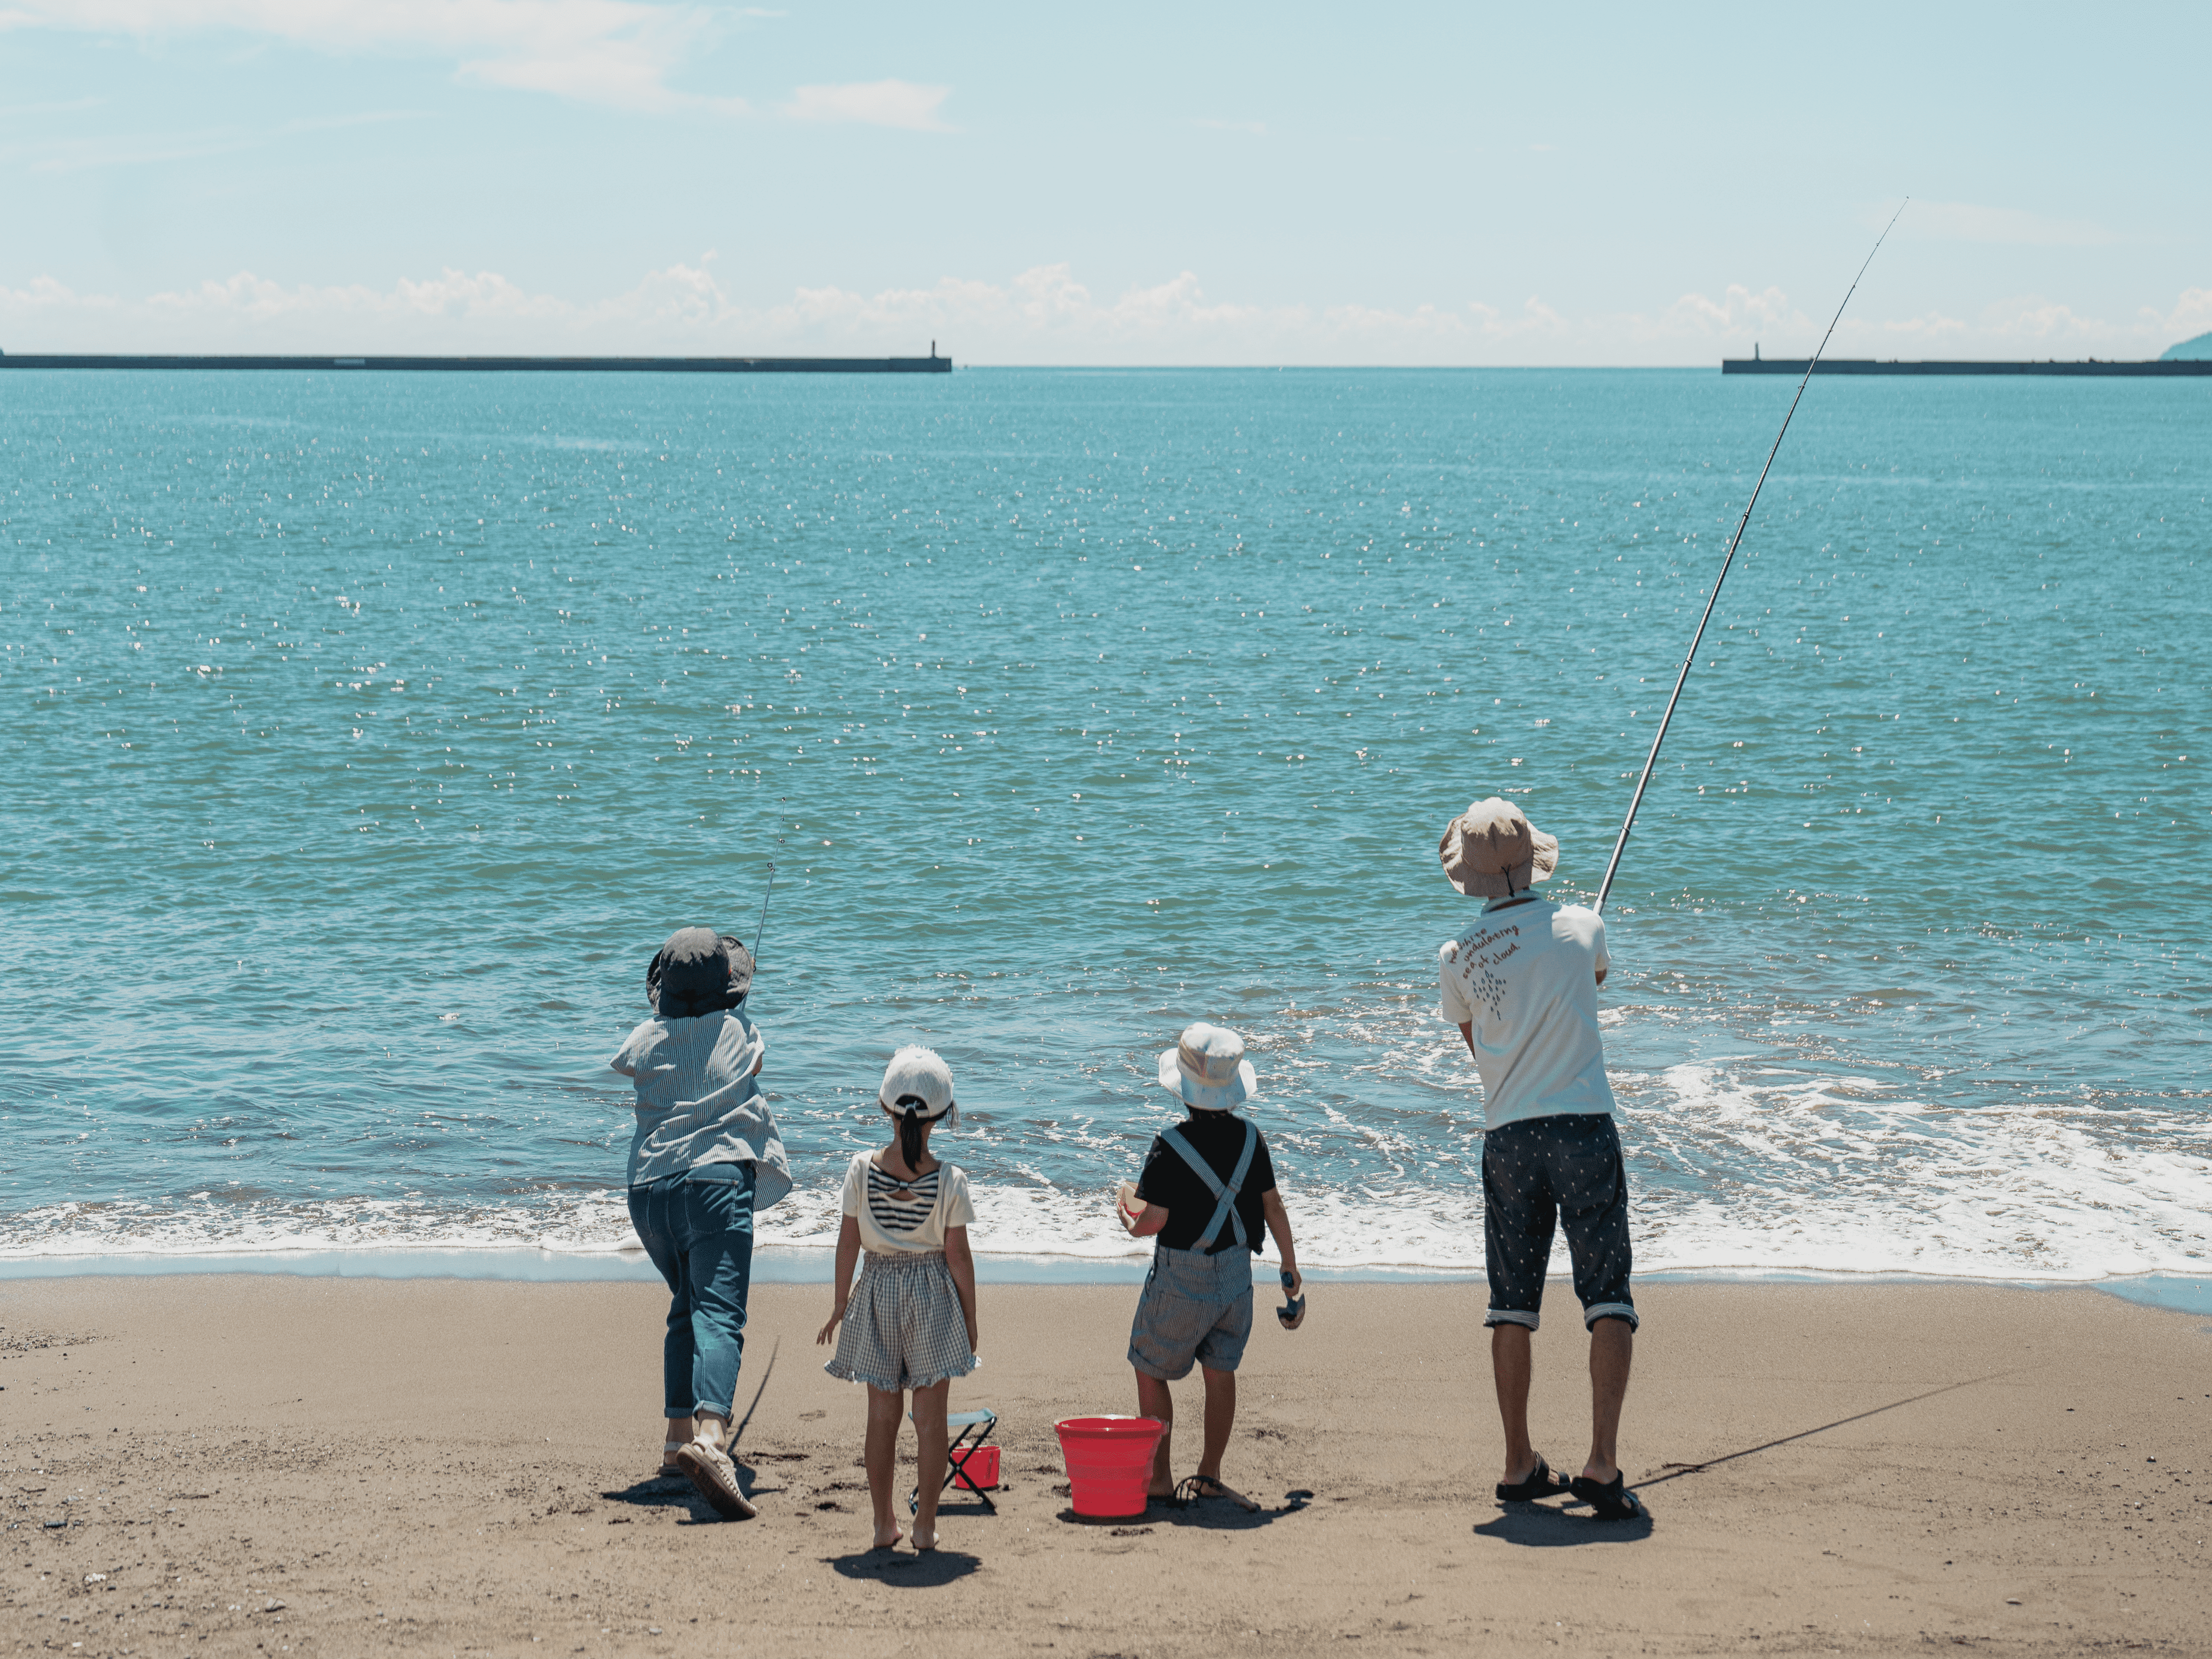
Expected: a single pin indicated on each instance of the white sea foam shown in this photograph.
(1843, 1174)
(1766, 1170)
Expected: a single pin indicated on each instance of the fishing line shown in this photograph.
(738, 1433)
(1734, 541)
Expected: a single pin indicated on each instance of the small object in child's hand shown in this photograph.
(1293, 1313)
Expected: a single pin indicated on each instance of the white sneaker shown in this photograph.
(716, 1478)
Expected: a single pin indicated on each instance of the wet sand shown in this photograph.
(271, 1465)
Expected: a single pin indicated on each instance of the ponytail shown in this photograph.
(910, 1132)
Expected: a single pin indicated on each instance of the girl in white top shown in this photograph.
(910, 1323)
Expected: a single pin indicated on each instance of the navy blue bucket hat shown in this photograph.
(699, 971)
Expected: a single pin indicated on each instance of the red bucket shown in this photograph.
(1109, 1460)
(979, 1464)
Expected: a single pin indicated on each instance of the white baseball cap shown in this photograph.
(921, 1077)
(1208, 1070)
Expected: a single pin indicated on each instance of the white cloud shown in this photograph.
(1042, 315)
(66, 155)
(60, 155)
(2029, 326)
(2191, 315)
(46, 297)
(1736, 312)
(66, 107)
(1965, 221)
(618, 53)
(872, 103)
(621, 53)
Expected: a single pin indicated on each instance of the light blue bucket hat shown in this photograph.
(1208, 1070)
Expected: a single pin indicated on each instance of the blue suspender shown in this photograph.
(1224, 1211)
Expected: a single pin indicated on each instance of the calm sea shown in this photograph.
(365, 734)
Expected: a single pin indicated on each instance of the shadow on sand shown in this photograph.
(1209, 1514)
(1676, 1471)
(1540, 1527)
(973, 1508)
(676, 1492)
(907, 1571)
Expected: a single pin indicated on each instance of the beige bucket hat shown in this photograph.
(1492, 851)
(1208, 1068)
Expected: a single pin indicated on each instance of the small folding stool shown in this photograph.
(970, 1430)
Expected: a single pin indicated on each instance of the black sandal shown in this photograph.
(1609, 1500)
(1541, 1483)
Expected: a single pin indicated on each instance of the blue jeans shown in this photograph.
(698, 1229)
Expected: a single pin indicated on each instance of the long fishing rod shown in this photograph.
(1734, 541)
(760, 928)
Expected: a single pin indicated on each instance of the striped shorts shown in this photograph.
(903, 1328)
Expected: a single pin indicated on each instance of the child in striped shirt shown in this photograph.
(910, 1323)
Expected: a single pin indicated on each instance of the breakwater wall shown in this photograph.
(931, 364)
(2159, 368)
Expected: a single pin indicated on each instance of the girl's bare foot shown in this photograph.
(924, 1542)
(887, 1537)
(1212, 1485)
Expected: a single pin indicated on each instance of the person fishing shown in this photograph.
(705, 1155)
(1521, 983)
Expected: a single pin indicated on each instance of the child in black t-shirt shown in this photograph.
(1207, 1188)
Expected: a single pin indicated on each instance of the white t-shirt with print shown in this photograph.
(1525, 977)
(905, 1218)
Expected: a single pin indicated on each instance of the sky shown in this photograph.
(1136, 183)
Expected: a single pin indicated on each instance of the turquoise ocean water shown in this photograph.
(364, 734)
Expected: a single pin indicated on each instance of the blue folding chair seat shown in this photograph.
(971, 1430)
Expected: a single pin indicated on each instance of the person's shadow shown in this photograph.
(1541, 1527)
(676, 1492)
(926, 1571)
(1207, 1514)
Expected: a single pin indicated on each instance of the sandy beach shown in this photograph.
(247, 1464)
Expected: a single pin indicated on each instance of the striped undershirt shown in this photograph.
(900, 1206)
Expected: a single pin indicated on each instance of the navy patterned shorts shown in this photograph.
(1567, 1170)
